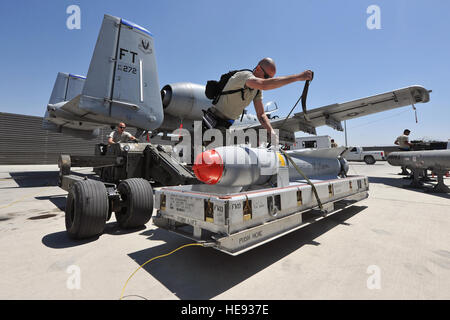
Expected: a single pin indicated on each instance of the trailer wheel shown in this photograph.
(137, 203)
(86, 209)
(369, 160)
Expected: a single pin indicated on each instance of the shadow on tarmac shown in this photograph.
(61, 240)
(33, 179)
(59, 201)
(203, 273)
(114, 229)
(405, 184)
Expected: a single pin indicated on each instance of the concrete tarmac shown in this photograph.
(393, 245)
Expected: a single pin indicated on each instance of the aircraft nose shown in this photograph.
(208, 167)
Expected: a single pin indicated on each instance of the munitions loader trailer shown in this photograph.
(235, 223)
(232, 222)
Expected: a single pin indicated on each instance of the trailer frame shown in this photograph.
(236, 223)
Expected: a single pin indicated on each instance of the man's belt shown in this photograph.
(213, 119)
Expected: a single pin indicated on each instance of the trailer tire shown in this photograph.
(86, 209)
(137, 199)
(369, 160)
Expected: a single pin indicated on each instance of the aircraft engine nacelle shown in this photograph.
(185, 100)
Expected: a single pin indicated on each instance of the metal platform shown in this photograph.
(235, 223)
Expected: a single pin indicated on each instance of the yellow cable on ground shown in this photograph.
(150, 260)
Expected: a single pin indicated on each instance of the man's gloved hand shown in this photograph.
(306, 75)
(274, 139)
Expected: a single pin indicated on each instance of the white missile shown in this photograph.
(437, 161)
(428, 159)
(237, 166)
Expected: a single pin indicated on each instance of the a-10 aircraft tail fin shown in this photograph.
(67, 86)
(121, 84)
(122, 81)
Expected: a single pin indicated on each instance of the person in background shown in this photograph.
(120, 135)
(403, 141)
(333, 144)
(404, 145)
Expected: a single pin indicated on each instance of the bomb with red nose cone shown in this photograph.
(239, 166)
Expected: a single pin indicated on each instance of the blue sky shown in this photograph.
(197, 40)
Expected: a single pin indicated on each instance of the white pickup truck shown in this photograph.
(369, 157)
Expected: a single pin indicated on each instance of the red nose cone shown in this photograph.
(208, 167)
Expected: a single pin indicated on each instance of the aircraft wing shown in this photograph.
(333, 114)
